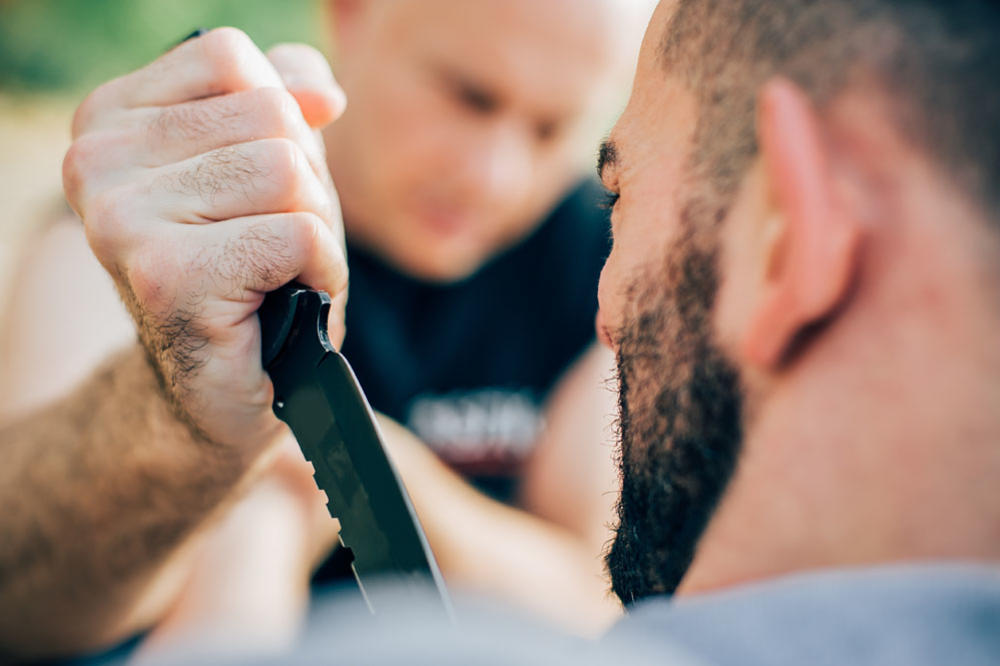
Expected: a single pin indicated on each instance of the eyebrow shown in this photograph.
(478, 92)
(606, 157)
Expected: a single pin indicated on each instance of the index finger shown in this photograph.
(224, 60)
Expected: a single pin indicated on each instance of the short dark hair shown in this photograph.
(937, 60)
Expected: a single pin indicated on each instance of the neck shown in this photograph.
(883, 446)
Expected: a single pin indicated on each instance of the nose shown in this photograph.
(603, 336)
(604, 322)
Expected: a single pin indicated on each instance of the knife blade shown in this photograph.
(317, 394)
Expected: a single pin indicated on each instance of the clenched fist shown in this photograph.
(202, 184)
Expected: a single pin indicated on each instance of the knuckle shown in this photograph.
(304, 231)
(85, 114)
(284, 153)
(75, 168)
(96, 158)
(229, 50)
(277, 109)
(146, 275)
(285, 160)
(303, 56)
(311, 242)
(227, 41)
(106, 220)
(89, 158)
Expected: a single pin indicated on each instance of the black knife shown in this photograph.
(318, 396)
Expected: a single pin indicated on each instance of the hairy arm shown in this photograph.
(58, 482)
(194, 222)
(262, 538)
(99, 491)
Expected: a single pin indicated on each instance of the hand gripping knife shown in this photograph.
(318, 396)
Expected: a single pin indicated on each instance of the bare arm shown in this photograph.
(480, 544)
(99, 490)
(548, 561)
(63, 318)
(572, 479)
(56, 535)
(546, 558)
(194, 222)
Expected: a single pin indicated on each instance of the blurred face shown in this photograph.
(679, 396)
(465, 121)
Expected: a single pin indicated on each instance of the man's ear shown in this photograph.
(345, 18)
(810, 240)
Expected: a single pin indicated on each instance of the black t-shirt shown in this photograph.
(467, 366)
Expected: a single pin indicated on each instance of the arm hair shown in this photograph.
(100, 490)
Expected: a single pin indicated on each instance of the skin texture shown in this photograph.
(679, 442)
(104, 480)
(201, 185)
(245, 216)
(146, 440)
(851, 331)
(862, 328)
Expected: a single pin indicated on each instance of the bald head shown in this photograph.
(467, 121)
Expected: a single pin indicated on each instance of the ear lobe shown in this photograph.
(345, 17)
(347, 10)
(810, 242)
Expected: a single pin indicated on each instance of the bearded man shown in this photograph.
(802, 296)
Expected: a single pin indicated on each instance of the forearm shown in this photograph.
(102, 489)
(484, 545)
(99, 492)
(248, 588)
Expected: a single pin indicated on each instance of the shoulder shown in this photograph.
(56, 281)
(889, 614)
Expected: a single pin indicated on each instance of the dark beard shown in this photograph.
(679, 421)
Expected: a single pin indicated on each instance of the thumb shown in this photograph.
(306, 74)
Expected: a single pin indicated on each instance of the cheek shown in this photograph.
(639, 249)
(403, 128)
(742, 264)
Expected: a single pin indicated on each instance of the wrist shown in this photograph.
(183, 412)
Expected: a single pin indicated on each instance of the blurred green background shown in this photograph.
(70, 46)
(53, 52)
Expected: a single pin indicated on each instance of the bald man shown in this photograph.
(474, 246)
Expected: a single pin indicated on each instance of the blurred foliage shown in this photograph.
(70, 46)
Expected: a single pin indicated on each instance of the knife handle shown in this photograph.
(286, 313)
